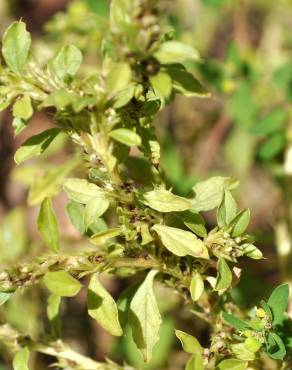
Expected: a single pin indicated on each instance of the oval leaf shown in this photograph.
(20, 360)
(165, 201)
(145, 317)
(62, 284)
(81, 190)
(15, 46)
(232, 364)
(181, 242)
(189, 343)
(102, 307)
(224, 277)
(125, 136)
(196, 286)
(48, 226)
(35, 145)
(94, 209)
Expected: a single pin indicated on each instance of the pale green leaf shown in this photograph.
(94, 209)
(48, 226)
(251, 251)
(175, 52)
(20, 360)
(102, 307)
(15, 46)
(102, 237)
(118, 78)
(4, 297)
(66, 63)
(61, 283)
(126, 136)
(35, 145)
(224, 276)
(165, 201)
(196, 286)
(209, 193)
(189, 343)
(181, 242)
(241, 352)
(81, 191)
(76, 214)
(232, 364)
(227, 209)
(240, 222)
(53, 308)
(22, 108)
(145, 317)
(196, 362)
(162, 84)
(48, 185)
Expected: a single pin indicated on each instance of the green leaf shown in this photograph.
(194, 222)
(15, 46)
(102, 307)
(76, 214)
(94, 209)
(252, 344)
(19, 125)
(123, 97)
(35, 145)
(278, 303)
(235, 322)
(196, 286)
(209, 193)
(126, 136)
(162, 84)
(119, 16)
(273, 122)
(20, 360)
(227, 209)
(181, 242)
(240, 222)
(100, 7)
(53, 308)
(124, 301)
(145, 318)
(224, 276)
(175, 52)
(66, 63)
(273, 146)
(267, 309)
(241, 352)
(118, 78)
(4, 297)
(22, 108)
(196, 362)
(232, 364)
(276, 347)
(165, 201)
(48, 185)
(102, 237)
(48, 226)
(189, 343)
(81, 191)
(251, 251)
(186, 84)
(61, 283)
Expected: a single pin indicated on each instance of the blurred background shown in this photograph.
(244, 130)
